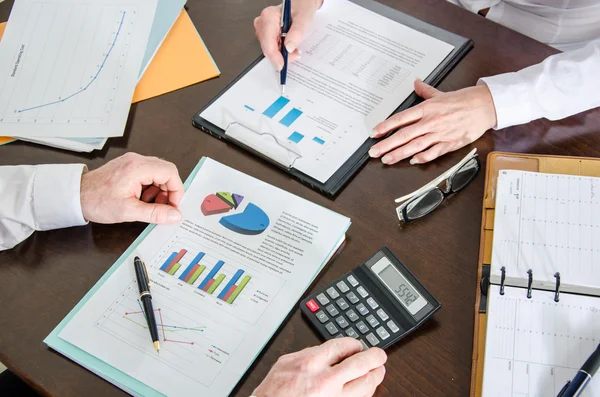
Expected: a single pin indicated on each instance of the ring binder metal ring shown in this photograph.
(529, 283)
(502, 279)
(557, 290)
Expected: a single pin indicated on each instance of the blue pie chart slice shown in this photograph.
(250, 222)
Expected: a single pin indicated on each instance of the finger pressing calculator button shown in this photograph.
(352, 298)
(352, 333)
(362, 309)
(321, 316)
(331, 328)
(351, 314)
(322, 299)
(332, 310)
(353, 281)
(372, 321)
(392, 326)
(332, 293)
(342, 322)
(362, 292)
(312, 305)
(372, 339)
(371, 302)
(383, 334)
(362, 327)
(343, 287)
(382, 315)
(364, 345)
(342, 304)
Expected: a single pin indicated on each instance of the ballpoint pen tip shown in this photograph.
(282, 89)
(157, 347)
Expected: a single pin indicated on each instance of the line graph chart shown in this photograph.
(69, 68)
(91, 81)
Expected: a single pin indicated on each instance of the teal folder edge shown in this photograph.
(110, 373)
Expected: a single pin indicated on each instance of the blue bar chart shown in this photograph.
(318, 140)
(291, 117)
(276, 107)
(296, 137)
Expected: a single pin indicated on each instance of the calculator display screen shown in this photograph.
(399, 286)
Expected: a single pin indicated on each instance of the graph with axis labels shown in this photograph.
(71, 67)
(185, 343)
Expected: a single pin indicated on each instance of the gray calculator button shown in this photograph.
(353, 281)
(343, 287)
(332, 310)
(342, 322)
(372, 321)
(371, 302)
(372, 339)
(382, 315)
(331, 328)
(322, 316)
(352, 333)
(393, 327)
(362, 309)
(332, 293)
(322, 299)
(352, 298)
(339, 336)
(364, 345)
(383, 334)
(342, 304)
(362, 292)
(362, 327)
(351, 314)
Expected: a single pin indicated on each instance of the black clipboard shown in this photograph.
(347, 171)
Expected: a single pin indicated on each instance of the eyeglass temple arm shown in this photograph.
(439, 179)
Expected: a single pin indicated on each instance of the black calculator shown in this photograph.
(378, 303)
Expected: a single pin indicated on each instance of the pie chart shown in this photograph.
(251, 221)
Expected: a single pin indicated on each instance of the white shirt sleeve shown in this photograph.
(562, 85)
(42, 197)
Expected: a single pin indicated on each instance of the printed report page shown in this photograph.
(356, 68)
(222, 281)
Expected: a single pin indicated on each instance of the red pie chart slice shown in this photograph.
(213, 205)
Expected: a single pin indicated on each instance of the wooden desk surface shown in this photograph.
(43, 278)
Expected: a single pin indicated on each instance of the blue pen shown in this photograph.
(584, 375)
(286, 21)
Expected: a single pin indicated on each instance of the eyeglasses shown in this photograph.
(421, 202)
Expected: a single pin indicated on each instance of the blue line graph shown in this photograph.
(88, 84)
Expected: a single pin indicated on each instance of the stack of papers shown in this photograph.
(98, 59)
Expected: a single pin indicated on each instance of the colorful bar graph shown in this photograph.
(211, 275)
(276, 107)
(230, 284)
(208, 285)
(319, 141)
(296, 137)
(196, 274)
(292, 116)
(174, 269)
(238, 289)
(173, 259)
(216, 284)
(192, 267)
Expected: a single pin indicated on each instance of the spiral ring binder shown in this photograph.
(529, 283)
(502, 279)
(557, 290)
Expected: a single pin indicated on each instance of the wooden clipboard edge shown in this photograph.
(480, 321)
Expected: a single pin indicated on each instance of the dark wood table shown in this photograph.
(44, 277)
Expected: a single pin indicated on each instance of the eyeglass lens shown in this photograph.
(464, 175)
(424, 204)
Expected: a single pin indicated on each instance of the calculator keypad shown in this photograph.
(347, 309)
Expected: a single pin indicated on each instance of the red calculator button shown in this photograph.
(312, 305)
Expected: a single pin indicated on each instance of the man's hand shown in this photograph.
(132, 188)
(444, 122)
(268, 29)
(334, 369)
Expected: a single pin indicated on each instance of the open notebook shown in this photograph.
(542, 322)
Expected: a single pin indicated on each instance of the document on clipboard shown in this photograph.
(359, 61)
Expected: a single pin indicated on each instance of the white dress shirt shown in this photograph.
(564, 84)
(42, 197)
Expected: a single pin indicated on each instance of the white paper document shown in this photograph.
(534, 346)
(356, 68)
(69, 69)
(223, 280)
(548, 223)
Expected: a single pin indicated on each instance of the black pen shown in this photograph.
(141, 274)
(286, 22)
(584, 375)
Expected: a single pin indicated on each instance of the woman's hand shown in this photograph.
(444, 122)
